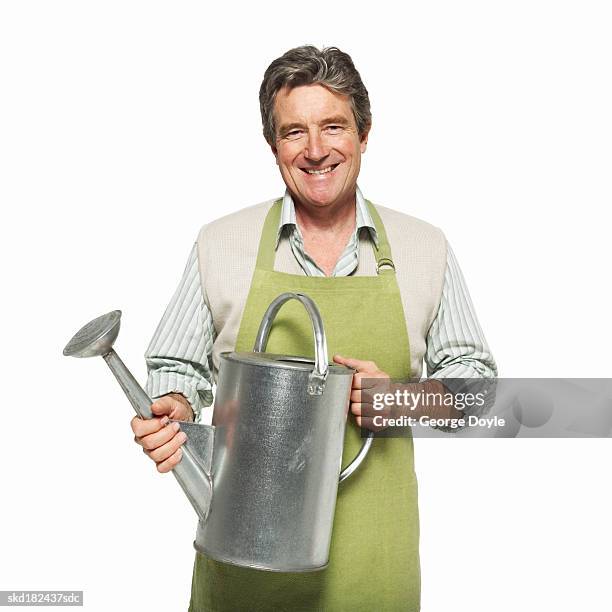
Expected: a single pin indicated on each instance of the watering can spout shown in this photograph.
(193, 473)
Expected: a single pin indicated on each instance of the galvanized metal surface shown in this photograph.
(316, 380)
(275, 470)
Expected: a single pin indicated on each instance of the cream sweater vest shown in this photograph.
(227, 251)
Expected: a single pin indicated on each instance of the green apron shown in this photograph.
(374, 556)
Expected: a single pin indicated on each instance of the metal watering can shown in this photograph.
(263, 478)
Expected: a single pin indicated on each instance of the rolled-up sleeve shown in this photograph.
(179, 354)
(456, 345)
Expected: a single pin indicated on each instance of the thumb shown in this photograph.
(163, 405)
(356, 364)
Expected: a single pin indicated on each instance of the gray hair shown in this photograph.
(308, 65)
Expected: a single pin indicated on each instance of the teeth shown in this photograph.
(324, 171)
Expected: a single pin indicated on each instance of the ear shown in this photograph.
(364, 139)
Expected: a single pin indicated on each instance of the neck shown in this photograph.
(326, 232)
(326, 219)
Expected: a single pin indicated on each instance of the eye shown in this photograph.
(293, 134)
(334, 129)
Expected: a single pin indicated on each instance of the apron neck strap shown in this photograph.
(267, 242)
(269, 234)
(384, 259)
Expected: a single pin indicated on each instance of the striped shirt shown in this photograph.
(179, 356)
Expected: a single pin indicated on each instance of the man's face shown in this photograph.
(317, 149)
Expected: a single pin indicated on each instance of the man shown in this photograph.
(391, 296)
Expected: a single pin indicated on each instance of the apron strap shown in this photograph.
(267, 252)
(267, 242)
(384, 259)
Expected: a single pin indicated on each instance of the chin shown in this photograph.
(320, 202)
(321, 199)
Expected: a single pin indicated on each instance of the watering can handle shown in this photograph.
(317, 378)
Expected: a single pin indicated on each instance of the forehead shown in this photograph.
(310, 104)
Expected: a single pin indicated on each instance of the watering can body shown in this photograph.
(275, 464)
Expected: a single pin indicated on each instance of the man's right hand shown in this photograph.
(160, 439)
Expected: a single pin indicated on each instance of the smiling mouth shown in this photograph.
(317, 171)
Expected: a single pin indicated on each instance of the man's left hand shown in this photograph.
(368, 376)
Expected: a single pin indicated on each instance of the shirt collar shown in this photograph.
(363, 217)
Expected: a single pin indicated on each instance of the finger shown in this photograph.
(168, 449)
(144, 427)
(368, 423)
(356, 395)
(359, 409)
(356, 364)
(369, 380)
(367, 410)
(171, 462)
(159, 438)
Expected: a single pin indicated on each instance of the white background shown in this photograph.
(126, 125)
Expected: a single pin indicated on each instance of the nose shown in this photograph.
(315, 149)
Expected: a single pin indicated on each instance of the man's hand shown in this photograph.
(160, 439)
(369, 377)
